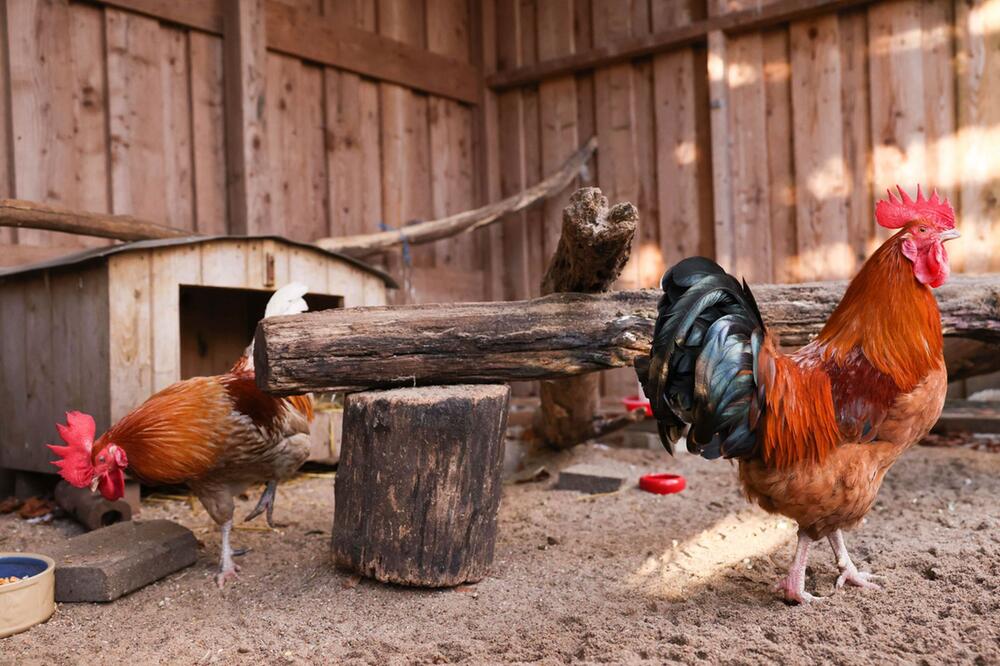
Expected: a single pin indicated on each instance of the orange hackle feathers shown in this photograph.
(894, 213)
(799, 423)
(74, 463)
(889, 316)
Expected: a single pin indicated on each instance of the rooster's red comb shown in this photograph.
(898, 212)
(74, 459)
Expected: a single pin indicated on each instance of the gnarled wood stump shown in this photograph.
(418, 486)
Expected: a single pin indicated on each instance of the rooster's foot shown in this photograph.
(852, 576)
(227, 574)
(265, 503)
(793, 593)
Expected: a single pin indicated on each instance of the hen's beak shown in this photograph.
(951, 234)
(94, 483)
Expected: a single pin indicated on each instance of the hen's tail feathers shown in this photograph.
(285, 301)
(702, 367)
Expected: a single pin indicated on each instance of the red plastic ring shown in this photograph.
(634, 402)
(662, 484)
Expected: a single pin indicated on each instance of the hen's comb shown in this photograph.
(74, 459)
(898, 212)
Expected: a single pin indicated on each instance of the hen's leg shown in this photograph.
(227, 568)
(848, 572)
(266, 503)
(793, 586)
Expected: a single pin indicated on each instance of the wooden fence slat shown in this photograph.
(208, 131)
(780, 158)
(821, 181)
(177, 143)
(979, 120)
(857, 132)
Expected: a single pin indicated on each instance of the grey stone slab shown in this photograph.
(112, 561)
(591, 479)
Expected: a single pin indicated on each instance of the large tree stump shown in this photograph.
(594, 247)
(418, 485)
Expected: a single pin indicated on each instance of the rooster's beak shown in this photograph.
(93, 484)
(951, 234)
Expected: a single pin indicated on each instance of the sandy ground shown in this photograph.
(624, 578)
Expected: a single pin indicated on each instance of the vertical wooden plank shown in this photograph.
(979, 117)
(780, 163)
(449, 126)
(821, 181)
(898, 108)
(245, 64)
(129, 298)
(315, 219)
(614, 90)
(169, 267)
(751, 210)
(90, 128)
(510, 121)
(13, 373)
(558, 113)
(722, 202)
(177, 142)
(7, 235)
(43, 108)
(646, 246)
(208, 130)
(347, 281)
(586, 124)
(224, 263)
(676, 143)
(309, 268)
(531, 119)
(406, 187)
(857, 132)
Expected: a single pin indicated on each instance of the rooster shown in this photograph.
(218, 435)
(815, 431)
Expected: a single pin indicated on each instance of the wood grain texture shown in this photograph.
(208, 132)
(820, 175)
(436, 527)
(780, 156)
(552, 337)
(857, 132)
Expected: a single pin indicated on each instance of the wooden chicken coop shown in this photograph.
(101, 330)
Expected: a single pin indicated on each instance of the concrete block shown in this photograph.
(91, 509)
(107, 563)
(591, 479)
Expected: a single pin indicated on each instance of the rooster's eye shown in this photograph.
(922, 230)
(101, 459)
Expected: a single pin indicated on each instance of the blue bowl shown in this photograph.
(22, 567)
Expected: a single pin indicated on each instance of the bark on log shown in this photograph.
(31, 215)
(594, 246)
(363, 245)
(419, 481)
(546, 338)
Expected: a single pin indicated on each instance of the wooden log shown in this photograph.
(545, 338)
(418, 486)
(594, 246)
(31, 215)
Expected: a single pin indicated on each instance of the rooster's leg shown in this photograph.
(266, 502)
(848, 572)
(793, 586)
(227, 568)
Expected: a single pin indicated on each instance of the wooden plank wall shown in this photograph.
(121, 107)
(765, 149)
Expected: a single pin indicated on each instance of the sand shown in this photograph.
(623, 578)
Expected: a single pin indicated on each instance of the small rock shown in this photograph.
(552, 541)
(932, 573)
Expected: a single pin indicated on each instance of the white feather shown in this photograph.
(287, 300)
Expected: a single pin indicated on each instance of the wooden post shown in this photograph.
(245, 60)
(594, 246)
(418, 484)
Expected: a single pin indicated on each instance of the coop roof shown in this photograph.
(79, 259)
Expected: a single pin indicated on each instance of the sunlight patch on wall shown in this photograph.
(732, 543)
(651, 266)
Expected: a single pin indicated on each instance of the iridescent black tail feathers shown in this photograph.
(702, 365)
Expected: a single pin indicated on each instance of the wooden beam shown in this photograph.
(432, 230)
(749, 20)
(969, 416)
(324, 40)
(31, 215)
(245, 68)
(307, 36)
(556, 336)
